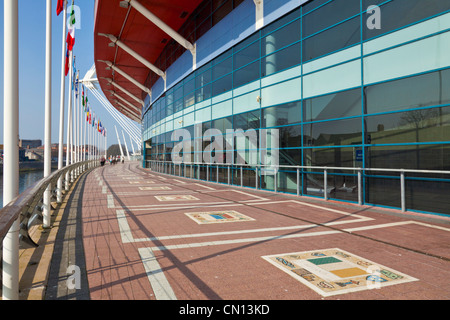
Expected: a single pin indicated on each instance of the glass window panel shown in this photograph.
(223, 124)
(333, 133)
(414, 92)
(329, 14)
(334, 39)
(281, 38)
(281, 60)
(330, 157)
(246, 121)
(427, 157)
(222, 85)
(336, 105)
(222, 68)
(189, 99)
(246, 55)
(424, 125)
(399, 13)
(290, 136)
(311, 5)
(288, 113)
(203, 93)
(281, 22)
(203, 79)
(246, 74)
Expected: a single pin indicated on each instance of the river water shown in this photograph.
(26, 180)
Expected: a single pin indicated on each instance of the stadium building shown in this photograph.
(352, 87)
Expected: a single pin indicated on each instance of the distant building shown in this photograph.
(30, 144)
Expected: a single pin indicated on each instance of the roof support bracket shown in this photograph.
(125, 91)
(164, 27)
(127, 76)
(133, 107)
(259, 14)
(135, 55)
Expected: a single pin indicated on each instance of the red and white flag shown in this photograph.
(60, 6)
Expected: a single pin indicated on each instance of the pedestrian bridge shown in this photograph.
(124, 232)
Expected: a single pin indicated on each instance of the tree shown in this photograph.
(114, 150)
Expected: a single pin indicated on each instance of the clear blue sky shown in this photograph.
(32, 19)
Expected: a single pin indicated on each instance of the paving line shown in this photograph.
(161, 287)
(280, 237)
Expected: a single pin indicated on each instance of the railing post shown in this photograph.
(325, 184)
(207, 172)
(228, 173)
(217, 173)
(298, 182)
(275, 180)
(402, 190)
(359, 187)
(242, 175)
(256, 177)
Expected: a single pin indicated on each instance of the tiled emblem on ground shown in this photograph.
(155, 188)
(218, 217)
(335, 271)
(141, 182)
(176, 198)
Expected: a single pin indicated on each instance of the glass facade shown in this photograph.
(340, 93)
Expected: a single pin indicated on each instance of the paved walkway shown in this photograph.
(137, 234)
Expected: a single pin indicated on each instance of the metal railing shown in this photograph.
(180, 169)
(28, 205)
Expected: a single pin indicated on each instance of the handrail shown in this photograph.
(306, 167)
(22, 204)
(161, 166)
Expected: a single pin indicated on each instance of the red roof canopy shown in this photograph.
(132, 28)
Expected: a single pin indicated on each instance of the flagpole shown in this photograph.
(10, 278)
(48, 114)
(61, 107)
(69, 121)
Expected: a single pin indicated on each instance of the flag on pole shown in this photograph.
(59, 7)
(71, 35)
(67, 62)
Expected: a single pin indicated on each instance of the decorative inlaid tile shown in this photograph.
(335, 271)
(176, 198)
(218, 217)
(141, 182)
(155, 188)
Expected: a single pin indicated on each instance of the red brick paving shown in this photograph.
(236, 270)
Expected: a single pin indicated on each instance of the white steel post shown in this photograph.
(48, 114)
(126, 146)
(10, 279)
(61, 108)
(69, 122)
(118, 139)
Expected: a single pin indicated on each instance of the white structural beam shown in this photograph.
(48, 114)
(127, 109)
(161, 25)
(259, 11)
(126, 146)
(120, 145)
(125, 122)
(133, 107)
(128, 93)
(135, 55)
(127, 76)
(61, 106)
